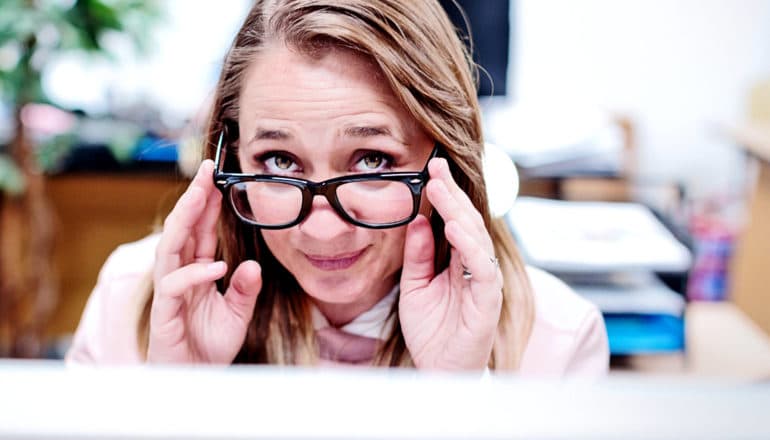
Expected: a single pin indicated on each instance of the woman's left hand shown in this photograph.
(449, 322)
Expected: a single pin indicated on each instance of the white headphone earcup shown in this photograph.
(501, 178)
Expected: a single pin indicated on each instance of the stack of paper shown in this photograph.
(609, 253)
(563, 236)
(628, 293)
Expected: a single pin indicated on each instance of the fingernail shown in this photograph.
(204, 167)
(447, 170)
(435, 165)
(187, 197)
(216, 266)
(442, 187)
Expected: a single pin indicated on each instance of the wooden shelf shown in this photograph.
(749, 278)
(94, 214)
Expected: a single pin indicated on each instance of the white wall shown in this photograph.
(678, 67)
(176, 76)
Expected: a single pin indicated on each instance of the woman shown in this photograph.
(398, 265)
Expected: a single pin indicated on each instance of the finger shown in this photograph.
(418, 269)
(206, 230)
(439, 170)
(456, 266)
(245, 285)
(188, 252)
(486, 281)
(170, 289)
(451, 210)
(178, 226)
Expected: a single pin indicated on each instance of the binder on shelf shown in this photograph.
(644, 333)
(641, 313)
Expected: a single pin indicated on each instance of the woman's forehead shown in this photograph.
(288, 75)
(285, 91)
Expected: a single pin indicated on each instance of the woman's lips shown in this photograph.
(335, 262)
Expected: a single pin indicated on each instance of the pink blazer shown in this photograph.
(568, 335)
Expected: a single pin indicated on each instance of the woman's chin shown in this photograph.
(334, 290)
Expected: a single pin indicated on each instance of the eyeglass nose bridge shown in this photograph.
(325, 189)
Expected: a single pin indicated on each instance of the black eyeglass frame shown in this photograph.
(415, 180)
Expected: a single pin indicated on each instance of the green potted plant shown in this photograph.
(31, 33)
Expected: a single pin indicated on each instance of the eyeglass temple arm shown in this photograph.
(219, 152)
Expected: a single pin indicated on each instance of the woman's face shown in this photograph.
(318, 118)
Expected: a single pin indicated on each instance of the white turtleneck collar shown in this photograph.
(373, 323)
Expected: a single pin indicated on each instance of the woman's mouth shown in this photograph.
(335, 262)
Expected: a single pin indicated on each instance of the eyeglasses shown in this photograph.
(372, 200)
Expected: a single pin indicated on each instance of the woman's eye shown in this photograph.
(282, 162)
(276, 163)
(373, 161)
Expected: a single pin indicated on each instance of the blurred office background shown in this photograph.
(655, 115)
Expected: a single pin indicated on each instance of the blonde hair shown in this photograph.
(419, 54)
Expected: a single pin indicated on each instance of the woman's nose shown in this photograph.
(323, 222)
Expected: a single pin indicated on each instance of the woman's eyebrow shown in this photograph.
(367, 131)
(276, 135)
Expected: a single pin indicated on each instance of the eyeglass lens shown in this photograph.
(372, 202)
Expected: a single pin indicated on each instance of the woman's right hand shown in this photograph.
(190, 321)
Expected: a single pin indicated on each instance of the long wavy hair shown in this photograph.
(423, 60)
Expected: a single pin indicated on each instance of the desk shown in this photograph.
(712, 329)
(749, 277)
(51, 402)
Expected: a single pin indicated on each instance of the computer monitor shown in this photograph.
(490, 29)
